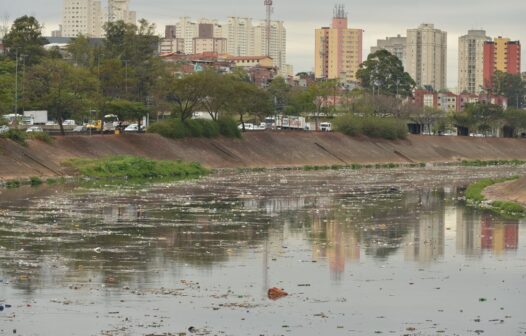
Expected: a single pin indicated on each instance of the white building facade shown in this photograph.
(82, 17)
(471, 61)
(426, 56)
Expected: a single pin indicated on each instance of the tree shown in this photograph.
(60, 88)
(485, 116)
(321, 92)
(249, 99)
(81, 52)
(514, 120)
(7, 86)
(510, 86)
(186, 94)
(219, 90)
(127, 110)
(279, 90)
(25, 38)
(384, 72)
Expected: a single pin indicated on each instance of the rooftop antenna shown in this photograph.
(339, 11)
(268, 5)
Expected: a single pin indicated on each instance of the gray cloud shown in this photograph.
(379, 18)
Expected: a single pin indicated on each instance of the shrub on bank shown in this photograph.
(40, 136)
(177, 129)
(16, 135)
(131, 167)
(374, 127)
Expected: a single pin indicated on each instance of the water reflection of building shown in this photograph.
(499, 236)
(335, 241)
(278, 205)
(425, 242)
(468, 239)
(121, 213)
(485, 233)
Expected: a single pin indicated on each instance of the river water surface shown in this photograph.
(366, 252)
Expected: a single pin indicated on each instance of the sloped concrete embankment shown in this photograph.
(513, 191)
(263, 149)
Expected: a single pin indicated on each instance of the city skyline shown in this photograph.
(302, 19)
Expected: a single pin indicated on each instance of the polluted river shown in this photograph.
(359, 252)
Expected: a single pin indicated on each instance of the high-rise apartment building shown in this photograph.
(338, 49)
(240, 35)
(426, 58)
(82, 17)
(206, 40)
(395, 45)
(471, 61)
(503, 55)
(118, 10)
(187, 30)
(278, 44)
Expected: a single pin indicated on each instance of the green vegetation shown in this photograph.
(35, 181)
(475, 197)
(384, 72)
(21, 136)
(177, 129)
(40, 136)
(375, 127)
(16, 135)
(129, 167)
(479, 163)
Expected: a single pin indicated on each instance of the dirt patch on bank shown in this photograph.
(258, 149)
(514, 191)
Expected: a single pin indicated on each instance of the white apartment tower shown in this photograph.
(278, 44)
(82, 17)
(426, 56)
(118, 10)
(239, 33)
(396, 45)
(471, 61)
(187, 30)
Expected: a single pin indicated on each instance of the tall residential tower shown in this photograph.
(471, 61)
(426, 59)
(338, 49)
(82, 17)
(503, 55)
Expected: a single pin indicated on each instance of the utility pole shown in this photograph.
(126, 83)
(16, 83)
(268, 4)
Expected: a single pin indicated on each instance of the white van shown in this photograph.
(326, 127)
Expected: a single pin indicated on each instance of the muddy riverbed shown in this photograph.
(392, 252)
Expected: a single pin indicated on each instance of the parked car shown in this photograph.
(34, 129)
(133, 128)
(51, 123)
(4, 129)
(80, 129)
(69, 122)
(248, 127)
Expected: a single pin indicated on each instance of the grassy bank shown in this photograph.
(177, 129)
(374, 127)
(21, 137)
(475, 197)
(130, 167)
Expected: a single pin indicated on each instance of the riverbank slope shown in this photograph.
(257, 149)
(512, 191)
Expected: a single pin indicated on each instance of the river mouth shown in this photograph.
(359, 252)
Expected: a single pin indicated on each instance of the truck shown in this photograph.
(287, 122)
(37, 117)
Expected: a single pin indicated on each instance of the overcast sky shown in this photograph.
(379, 18)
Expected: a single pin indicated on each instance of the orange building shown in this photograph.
(503, 55)
(338, 49)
